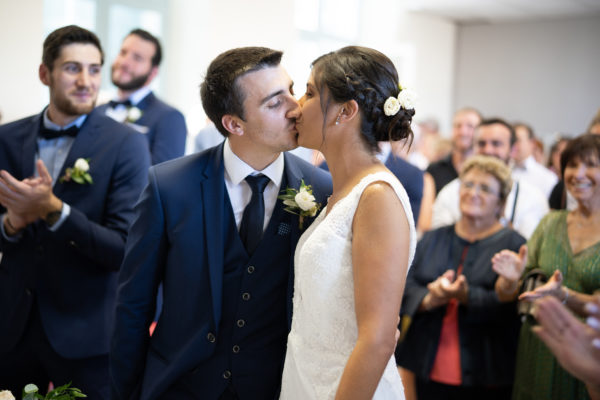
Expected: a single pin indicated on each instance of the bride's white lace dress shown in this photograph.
(324, 328)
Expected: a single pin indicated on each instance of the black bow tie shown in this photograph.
(114, 103)
(47, 133)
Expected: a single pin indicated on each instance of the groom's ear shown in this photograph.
(349, 111)
(233, 124)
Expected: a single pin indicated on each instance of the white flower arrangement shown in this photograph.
(133, 114)
(300, 202)
(79, 173)
(406, 99)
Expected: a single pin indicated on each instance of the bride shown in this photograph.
(351, 263)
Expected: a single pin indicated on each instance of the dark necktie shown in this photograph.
(47, 133)
(251, 228)
(114, 103)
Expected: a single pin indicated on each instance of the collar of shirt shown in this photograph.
(239, 191)
(137, 96)
(51, 125)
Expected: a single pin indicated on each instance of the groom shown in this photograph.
(209, 227)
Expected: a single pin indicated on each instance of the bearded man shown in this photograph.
(133, 71)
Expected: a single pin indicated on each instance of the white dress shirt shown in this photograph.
(533, 173)
(240, 192)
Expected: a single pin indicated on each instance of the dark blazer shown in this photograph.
(488, 329)
(411, 178)
(71, 272)
(166, 128)
(176, 240)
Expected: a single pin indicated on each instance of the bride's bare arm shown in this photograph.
(380, 248)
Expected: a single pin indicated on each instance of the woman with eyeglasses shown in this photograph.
(462, 340)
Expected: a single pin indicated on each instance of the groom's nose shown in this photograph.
(295, 110)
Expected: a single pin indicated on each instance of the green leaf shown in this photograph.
(78, 179)
(88, 178)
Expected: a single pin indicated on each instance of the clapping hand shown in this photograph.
(444, 288)
(575, 344)
(509, 264)
(29, 199)
(551, 288)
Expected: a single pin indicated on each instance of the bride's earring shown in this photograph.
(337, 120)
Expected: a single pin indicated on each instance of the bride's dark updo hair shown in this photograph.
(368, 77)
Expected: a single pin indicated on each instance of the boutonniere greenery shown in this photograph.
(78, 173)
(30, 392)
(300, 202)
(133, 114)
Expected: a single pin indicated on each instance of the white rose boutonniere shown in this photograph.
(79, 173)
(133, 114)
(300, 202)
(6, 395)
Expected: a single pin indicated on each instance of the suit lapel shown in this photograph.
(30, 147)
(294, 177)
(213, 201)
(82, 146)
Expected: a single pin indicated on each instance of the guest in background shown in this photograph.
(462, 340)
(463, 127)
(556, 150)
(566, 247)
(524, 166)
(68, 180)
(594, 126)
(525, 206)
(133, 71)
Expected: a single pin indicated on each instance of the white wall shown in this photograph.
(542, 73)
(422, 48)
(21, 30)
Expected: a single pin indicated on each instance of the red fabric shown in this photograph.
(446, 367)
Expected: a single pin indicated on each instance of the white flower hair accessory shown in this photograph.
(406, 99)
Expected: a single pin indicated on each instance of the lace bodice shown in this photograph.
(324, 328)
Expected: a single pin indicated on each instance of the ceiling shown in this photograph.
(481, 11)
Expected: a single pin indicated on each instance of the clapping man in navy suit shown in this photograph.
(133, 71)
(68, 180)
(210, 228)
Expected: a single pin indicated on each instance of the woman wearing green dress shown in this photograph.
(566, 246)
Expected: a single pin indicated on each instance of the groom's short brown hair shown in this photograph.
(220, 92)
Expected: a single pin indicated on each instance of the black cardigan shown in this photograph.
(488, 329)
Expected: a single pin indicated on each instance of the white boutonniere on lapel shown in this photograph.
(133, 114)
(78, 173)
(300, 202)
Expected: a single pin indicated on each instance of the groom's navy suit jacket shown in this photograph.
(71, 273)
(177, 240)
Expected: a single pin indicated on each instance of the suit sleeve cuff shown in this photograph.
(12, 239)
(64, 214)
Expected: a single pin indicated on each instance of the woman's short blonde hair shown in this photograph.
(494, 167)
